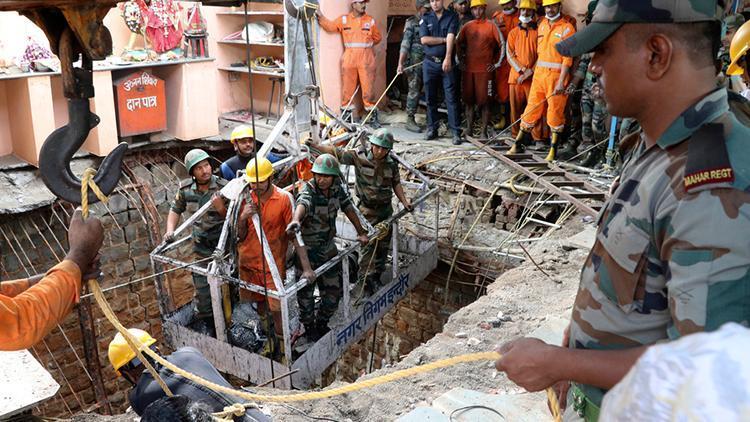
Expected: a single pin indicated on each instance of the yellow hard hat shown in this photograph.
(738, 49)
(323, 119)
(503, 2)
(550, 2)
(265, 170)
(120, 353)
(477, 3)
(242, 132)
(527, 4)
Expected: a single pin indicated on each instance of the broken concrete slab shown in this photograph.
(23, 383)
(22, 190)
(422, 414)
(552, 330)
(513, 407)
(583, 240)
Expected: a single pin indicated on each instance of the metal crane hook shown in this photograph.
(59, 147)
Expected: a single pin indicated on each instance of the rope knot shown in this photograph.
(237, 409)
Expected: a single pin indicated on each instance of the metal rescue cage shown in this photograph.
(412, 260)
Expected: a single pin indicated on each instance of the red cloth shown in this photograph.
(481, 44)
(164, 27)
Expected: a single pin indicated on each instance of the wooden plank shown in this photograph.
(580, 205)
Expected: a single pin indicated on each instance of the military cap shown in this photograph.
(423, 3)
(461, 1)
(610, 15)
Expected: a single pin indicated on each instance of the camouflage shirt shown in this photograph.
(375, 180)
(411, 43)
(319, 224)
(207, 229)
(671, 255)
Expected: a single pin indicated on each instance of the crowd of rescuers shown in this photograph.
(502, 68)
(312, 215)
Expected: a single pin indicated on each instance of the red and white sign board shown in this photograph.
(141, 104)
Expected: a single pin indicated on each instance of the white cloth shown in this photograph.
(701, 377)
(259, 31)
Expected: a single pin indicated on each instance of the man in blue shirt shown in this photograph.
(243, 141)
(438, 30)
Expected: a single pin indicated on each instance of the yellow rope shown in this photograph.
(87, 181)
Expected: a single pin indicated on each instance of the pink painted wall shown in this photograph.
(6, 147)
(331, 49)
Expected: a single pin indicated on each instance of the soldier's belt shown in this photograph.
(583, 406)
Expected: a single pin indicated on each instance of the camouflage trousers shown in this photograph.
(329, 286)
(374, 256)
(415, 90)
(594, 117)
(202, 296)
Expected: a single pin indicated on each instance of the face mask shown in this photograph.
(525, 19)
(509, 12)
(553, 18)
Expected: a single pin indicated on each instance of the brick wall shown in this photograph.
(413, 321)
(131, 232)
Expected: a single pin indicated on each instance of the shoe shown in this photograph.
(592, 158)
(373, 122)
(412, 126)
(346, 115)
(570, 151)
(431, 135)
(457, 139)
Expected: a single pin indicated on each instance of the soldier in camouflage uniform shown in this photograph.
(594, 115)
(377, 179)
(315, 216)
(413, 53)
(195, 192)
(667, 260)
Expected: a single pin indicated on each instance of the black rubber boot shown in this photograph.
(412, 126)
(519, 145)
(592, 158)
(569, 151)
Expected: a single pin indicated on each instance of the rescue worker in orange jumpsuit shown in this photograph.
(521, 52)
(30, 308)
(272, 209)
(359, 33)
(481, 49)
(506, 19)
(550, 80)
